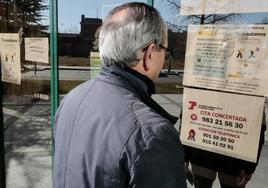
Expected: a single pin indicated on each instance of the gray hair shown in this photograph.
(120, 39)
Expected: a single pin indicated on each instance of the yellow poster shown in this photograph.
(212, 121)
(227, 58)
(10, 57)
(195, 7)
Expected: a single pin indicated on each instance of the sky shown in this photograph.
(70, 12)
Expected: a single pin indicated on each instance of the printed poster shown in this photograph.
(95, 64)
(10, 57)
(228, 58)
(212, 121)
(36, 49)
(195, 7)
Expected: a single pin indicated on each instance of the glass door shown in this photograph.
(25, 80)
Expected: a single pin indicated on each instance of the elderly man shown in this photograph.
(109, 131)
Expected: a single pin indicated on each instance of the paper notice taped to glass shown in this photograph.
(10, 57)
(36, 49)
(196, 7)
(212, 121)
(227, 58)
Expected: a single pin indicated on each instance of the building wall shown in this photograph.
(80, 45)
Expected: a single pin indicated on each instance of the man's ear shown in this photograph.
(147, 58)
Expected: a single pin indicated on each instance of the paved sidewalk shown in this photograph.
(28, 143)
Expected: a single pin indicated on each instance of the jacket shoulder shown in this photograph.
(151, 122)
(154, 151)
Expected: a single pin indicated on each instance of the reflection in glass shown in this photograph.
(26, 106)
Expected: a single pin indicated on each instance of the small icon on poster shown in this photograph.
(191, 135)
(194, 117)
(192, 104)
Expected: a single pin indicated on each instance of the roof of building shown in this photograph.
(91, 21)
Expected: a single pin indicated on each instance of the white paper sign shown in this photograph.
(10, 57)
(227, 58)
(212, 121)
(36, 49)
(195, 7)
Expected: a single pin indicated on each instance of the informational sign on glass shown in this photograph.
(36, 49)
(228, 58)
(10, 58)
(212, 121)
(95, 64)
(195, 7)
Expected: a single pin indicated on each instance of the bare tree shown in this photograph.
(204, 19)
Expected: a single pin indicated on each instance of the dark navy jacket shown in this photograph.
(110, 133)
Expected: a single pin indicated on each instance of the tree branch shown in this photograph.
(173, 3)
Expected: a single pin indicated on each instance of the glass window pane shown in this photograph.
(243, 49)
(79, 22)
(25, 70)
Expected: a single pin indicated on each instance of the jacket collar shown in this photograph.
(142, 85)
(148, 82)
